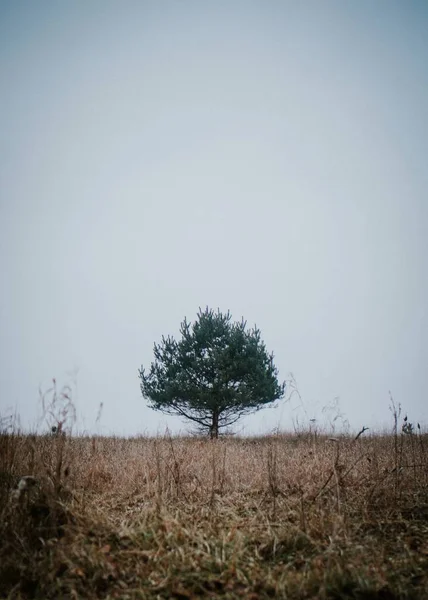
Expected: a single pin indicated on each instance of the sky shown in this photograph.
(267, 158)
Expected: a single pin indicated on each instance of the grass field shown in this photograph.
(282, 516)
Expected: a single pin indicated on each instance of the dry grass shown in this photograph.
(276, 517)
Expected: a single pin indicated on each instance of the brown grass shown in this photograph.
(275, 517)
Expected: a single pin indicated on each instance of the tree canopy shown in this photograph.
(217, 372)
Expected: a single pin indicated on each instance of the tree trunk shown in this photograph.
(214, 425)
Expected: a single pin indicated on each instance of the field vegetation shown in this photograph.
(289, 516)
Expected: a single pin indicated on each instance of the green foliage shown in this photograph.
(217, 372)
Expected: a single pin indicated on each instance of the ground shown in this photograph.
(281, 516)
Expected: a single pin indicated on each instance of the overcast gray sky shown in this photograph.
(264, 157)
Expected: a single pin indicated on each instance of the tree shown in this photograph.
(217, 372)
